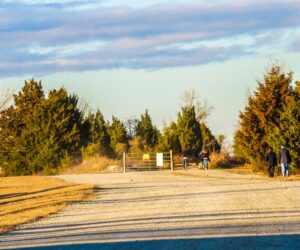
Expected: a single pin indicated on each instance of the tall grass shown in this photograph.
(95, 164)
(224, 160)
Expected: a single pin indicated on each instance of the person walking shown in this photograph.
(284, 159)
(185, 158)
(271, 160)
(204, 158)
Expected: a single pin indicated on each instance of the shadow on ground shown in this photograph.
(286, 242)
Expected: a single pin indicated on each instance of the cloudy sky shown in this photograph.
(126, 56)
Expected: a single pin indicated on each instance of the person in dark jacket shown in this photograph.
(204, 158)
(271, 160)
(185, 158)
(284, 159)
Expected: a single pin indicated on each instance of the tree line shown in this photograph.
(43, 133)
(271, 119)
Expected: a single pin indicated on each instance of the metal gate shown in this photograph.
(147, 161)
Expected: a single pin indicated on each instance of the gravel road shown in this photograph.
(163, 210)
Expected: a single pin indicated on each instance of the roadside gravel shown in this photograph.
(147, 206)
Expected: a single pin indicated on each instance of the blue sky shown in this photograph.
(127, 56)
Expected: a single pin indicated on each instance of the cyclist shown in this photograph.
(204, 158)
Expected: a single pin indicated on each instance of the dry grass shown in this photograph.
(25, 199)
(219, 160)
(244, 169)
(248, 169)
(94, 165)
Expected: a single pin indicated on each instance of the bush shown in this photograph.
(90, 150)
(224, 160)
(136, 145)
(67, 161)
(120, 148)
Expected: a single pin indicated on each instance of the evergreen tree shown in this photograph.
(221, 139)
(287, 132)
(13, 121)
(117, 132)
(31, 95)
(40, 131)
(53, 132)
(147, 131)
(208, 139)
(189, 130)
(169, 140)
(99, 132)
(262, 115)
(26, 101)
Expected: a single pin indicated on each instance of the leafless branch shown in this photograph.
(190, 98)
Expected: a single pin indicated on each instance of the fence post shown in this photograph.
(171, 159)
(124, 162)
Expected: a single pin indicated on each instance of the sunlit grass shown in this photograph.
(25, 199)
(97, 164)
(249, 169)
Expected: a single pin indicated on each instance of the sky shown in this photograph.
(124, 57)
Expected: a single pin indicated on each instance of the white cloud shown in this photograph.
(161, 35)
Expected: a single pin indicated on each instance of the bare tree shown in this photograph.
(5, 98)
(131, 124)
(84, 107)
(202, 108)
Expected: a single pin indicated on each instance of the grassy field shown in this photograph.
(25, 199)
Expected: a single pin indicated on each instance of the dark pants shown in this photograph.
(271, 171)
(185, 162)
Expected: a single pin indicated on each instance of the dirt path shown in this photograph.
(163, 210)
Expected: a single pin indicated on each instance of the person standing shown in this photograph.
(271, 160)
(204, 157)
(284, 159)
(185, 158)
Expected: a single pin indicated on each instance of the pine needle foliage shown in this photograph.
(209, 140)
(147, 131)
(287, 133)
(263, 115)
(189, 130)
(39, 130)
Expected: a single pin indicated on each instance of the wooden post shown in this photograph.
(171, 159)
(124, 162)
